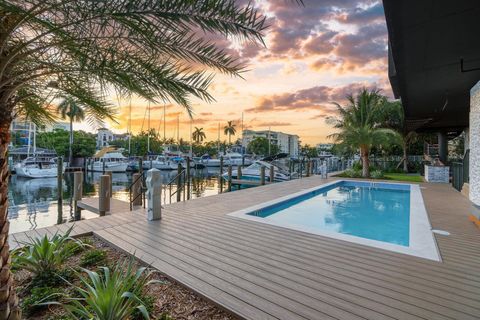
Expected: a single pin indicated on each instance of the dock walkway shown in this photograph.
(260, 271)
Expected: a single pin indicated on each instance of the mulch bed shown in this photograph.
(171, 298)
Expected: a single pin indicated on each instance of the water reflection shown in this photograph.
(33, 202)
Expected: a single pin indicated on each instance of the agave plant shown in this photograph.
(111, 294)
(42, 255)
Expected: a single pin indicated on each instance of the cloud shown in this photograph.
(273, 124)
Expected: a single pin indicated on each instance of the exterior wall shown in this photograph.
(104, 137)
(287, 143)
(474, 143)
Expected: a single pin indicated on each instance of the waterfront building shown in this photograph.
(287, 143)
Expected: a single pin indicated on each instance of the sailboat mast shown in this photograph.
(242, 135)
(191, 142)
(29, 138)
(34, 139)
(164, 126)
(148, 137)
(178, 129)
(130, 127)
(218, 139)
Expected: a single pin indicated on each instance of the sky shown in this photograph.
(314, 55)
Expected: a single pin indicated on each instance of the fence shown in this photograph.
(460, 172)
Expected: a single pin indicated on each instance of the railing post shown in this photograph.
(110, 189)
(179, 182)
(262, 175)
(104, 197)
(140, 165)
(103, 166)
(60, 190)
(272, 174)
(188, 178)
(239, 172)
(136, 189)
(77, 193)
(154, 186)
(229, 183)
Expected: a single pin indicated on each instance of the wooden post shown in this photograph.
(179, 182)
(262, 175)
(301, 168)
(136, 189)
(103, 166)
(140, 165)
(272, 174)
(239, 172)
(243, 161)
(308, 169)
(220, 178)
(92, 161)
(104, 197)
(187, 177)
(290, 170)
(110, 190)
(229, 182)
(85, 164)
(60, 190)
(77, 193)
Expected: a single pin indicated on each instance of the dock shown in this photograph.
(259, 271)
(92, 204)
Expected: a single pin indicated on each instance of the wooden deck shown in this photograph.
(260, 271)
(92, 204)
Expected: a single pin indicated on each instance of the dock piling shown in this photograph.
(262, 175)
(77, 193)
(272, 174)
(179, 182)
(110, 190)
(229, 182)
(187, 177)
(60, 190)
(104, 197)
(136, 189)
(220, 178)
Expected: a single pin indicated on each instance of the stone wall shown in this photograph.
(437, 174)
(474, 143)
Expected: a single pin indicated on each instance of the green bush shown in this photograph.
(93, 257)
(111, 294)
(51, 278)
(38, 297)
(376, 174)
(41, 255)
(353, 173)
(357, 166)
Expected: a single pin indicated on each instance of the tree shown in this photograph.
(71, 109)
(59, 140)
(394, 118)
(359, 124)
(85, 49)
(260, 145)
(230, 130)
(198, 135)
(309, 151)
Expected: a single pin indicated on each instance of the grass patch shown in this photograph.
(404, 177)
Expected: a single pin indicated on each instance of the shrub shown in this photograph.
(37, 298)
(376, 174)
(353, 173)
(110, 294)
(357, 165)
(44, 254)
(51, 278)
(93, 257)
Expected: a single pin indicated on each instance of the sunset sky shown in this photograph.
(314, 55)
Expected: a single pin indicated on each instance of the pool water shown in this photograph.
(372, 211)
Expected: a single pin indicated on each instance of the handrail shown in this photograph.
(180, 187)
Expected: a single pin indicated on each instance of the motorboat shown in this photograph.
(160, 162)
(37, 167)
(207, 161)
(109, 159)
(236, 159)
(175, 161)
(252, 172)
(197, 163)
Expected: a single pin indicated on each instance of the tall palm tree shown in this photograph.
(230, 130)
(394, 118)
(359, 124)
(71, 109)
(84, 49)
(198, 135)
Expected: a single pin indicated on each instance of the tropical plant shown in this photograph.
(37, 297)
(394, 118)
(44, 254)
(71, 109)
(359, 124)
(198, 135)
(93, 257)
(309, 151)
(110, 294)
(58, 139)
(230, 130)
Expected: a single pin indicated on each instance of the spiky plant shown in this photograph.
(88, 49)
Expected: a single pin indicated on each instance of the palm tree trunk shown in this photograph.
(9, 308)
(405, 158)
(365, 162)
(70, 156)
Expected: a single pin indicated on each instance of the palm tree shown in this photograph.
(198, 135)
(230, 130)
(151, 49)
(394, 118)
(359, 124)
(69, 108)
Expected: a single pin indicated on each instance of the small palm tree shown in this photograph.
(359, 124)
(71, 109)
(230, 130)
(198, 135)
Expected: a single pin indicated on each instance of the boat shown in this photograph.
(236, 159)
(197, 163)
(109, 159)
(159, 162)
(252, 172)
(175, 161)
(37, 167)
(207, 161)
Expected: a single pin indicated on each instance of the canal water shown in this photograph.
(33, 202)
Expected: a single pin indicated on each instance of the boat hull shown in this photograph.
(36, 173)
(113, 167)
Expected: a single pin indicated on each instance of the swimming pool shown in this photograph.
(383, 215)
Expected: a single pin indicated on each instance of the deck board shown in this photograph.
(260, 271)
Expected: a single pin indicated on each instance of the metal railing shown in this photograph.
(180, 180)
(460, 172)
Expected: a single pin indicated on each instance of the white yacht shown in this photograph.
(37, 167)
(109, 159)
(236, 159)
(159, 162)
(208, 162)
